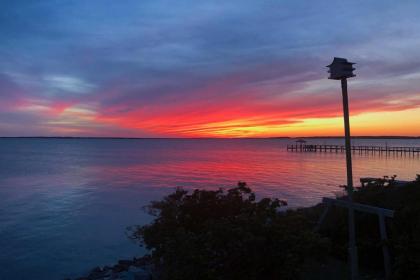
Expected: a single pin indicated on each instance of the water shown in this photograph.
(65, 203)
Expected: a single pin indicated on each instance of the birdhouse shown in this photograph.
(340, 68)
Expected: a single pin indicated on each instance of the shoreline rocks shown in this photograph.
(134, 269)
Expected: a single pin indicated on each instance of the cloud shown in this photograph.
(67, 84)
(200, 68)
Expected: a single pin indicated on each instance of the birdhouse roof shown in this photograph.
(339, 60)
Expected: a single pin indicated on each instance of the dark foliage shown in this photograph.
(403, 229)
(227, 235)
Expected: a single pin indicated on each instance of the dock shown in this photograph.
(388, 150)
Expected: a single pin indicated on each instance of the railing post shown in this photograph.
(385, 250)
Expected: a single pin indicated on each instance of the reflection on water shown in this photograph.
(65, 203)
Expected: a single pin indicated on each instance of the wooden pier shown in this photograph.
(360, 149)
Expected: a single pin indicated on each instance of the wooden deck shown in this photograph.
(360, 149)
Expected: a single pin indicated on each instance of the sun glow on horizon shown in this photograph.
(392, 123)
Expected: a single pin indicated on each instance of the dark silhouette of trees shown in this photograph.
(227, 235)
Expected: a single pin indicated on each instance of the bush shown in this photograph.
(227, 235)
(403, 229)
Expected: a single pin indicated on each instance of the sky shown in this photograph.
(242, 68)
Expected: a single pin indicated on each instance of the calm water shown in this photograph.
(65, 203)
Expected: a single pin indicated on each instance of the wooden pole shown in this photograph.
(354, 266)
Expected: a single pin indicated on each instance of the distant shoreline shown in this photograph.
(203, 138)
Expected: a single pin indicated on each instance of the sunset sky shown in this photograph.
(207, 68)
